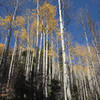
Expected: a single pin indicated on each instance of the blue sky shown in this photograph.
(94, 9)
(75, 29)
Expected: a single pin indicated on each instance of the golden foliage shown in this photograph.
(58, 34)
(6, 20)
(47, 14)
(47, 10)
(52, 24)
(81, 50)
(82, 70)
(34, 27)
(16, 33)
(25, 49)
(20, 21)
(78, 50)
(51, 52)
(30, 49)
(2, 45)
(24, 34)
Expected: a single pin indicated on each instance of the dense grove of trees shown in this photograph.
(39, 59)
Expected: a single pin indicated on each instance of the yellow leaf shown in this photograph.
(20, 21)
(16, 32)
(23, 34)
(2, 45)
(6, 20)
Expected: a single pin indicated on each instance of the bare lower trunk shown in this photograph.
(39, 52)
(28, 68)
(97, 52)
(11, 64)
(3, 50)
(94, 76)
(37, 21)
(53, 67)
(46, 89)
(67, 93)
(44, 58)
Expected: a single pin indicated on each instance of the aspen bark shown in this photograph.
(28, 52)
(46, 65)
(67, 93)
(44, 60)
(3, 50)
(11, 64)
(39, 52)
(37, 21)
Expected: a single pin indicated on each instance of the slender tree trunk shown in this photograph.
(20, 51)
(44, 60)
(92, 29)
(70, 60)
(40, 52)
(59, 73)
(89, 76)
(32, 61)
(97, 52)
(67, 93)
(95, 79)
(4, 60)
(46, 67)
(11, 64)
(53, 65)
(28, 52)
(3, 50)
(95, 83)
(37, 21)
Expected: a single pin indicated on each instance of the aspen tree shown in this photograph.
(47, 14)
(70, 60)
(37, 2)
(93, 31)
(15, 47)
(67, 93)
(11, 64)
(3, 50)
(28, 51)
(9, 20)
(87, 43)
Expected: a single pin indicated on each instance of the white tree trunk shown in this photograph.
(67, 93)
(89, 76)
(38, 64)
(46, 90)
(44, 60)
(3, 50)
(94, 76)
(70, 59)
(32, 61)
(97, 52)
(59, 73)
(14, 15)
(37, 21)
(11, 64)
(28, 52)
(53, 65)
